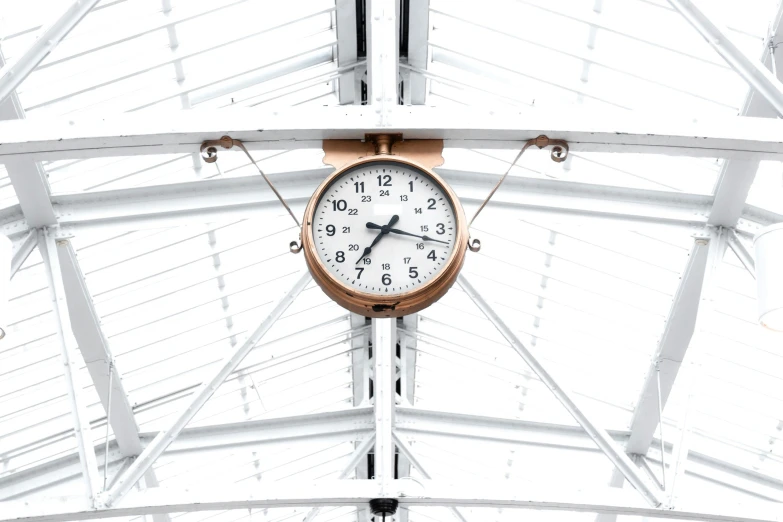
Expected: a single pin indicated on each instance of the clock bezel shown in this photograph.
(393, 305)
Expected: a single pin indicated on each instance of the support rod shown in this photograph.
(599, 436)
(200, 397)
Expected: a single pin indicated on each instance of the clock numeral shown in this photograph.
(386, 279)
(359, 186)
(413, 273)
(329, 230)
(340, 256)
(441, 228)
(366, 199)
(384, 181)
(406, 260)
(403, 198)
(353, 212)
(367, 261)
(431, 255)
(351, 248)
(359, 275)
(339, 205)
(418, 210)
(432, 204)
(419, 246)
(346, 230)
(385, 266)
(411, 185)
(425, 228)
(384, 193)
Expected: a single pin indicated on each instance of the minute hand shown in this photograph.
(402, 232)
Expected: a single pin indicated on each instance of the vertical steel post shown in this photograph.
(383, 345)
(70, 359)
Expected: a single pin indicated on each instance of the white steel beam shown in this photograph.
(752, 71)
(13, 74)
(382, 58)
(184, 131)
(736, 176)
(347, 50)
(478, 493)
(672, 347)
(418, 49)
(230, 198)
(358, 423)
(384, 394)
(27, 176)
(337, 426)
(602, 439)
(200, 397)
(32, 188)
(23, 251)
(84, 441)
(86, 327)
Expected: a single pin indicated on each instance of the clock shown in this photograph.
(384, 236)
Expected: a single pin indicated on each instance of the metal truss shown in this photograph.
(44, 220)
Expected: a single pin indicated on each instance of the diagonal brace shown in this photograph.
(599, 435)
(200, 397)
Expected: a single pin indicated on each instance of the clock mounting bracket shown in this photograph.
(427, 153)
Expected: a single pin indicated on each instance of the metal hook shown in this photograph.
(295, 247)
(209, 148)
(474, 245)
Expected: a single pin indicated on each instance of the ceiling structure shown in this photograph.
(167, 357)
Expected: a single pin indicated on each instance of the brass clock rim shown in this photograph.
(409, 301)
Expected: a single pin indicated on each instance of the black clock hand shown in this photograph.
(384, 230)
(398, 231)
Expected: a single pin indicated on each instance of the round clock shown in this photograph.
(384, 236)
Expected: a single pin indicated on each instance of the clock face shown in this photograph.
(384, 228)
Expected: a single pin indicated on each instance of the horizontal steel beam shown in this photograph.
(184, 131)
(355, 423)
(479, 493)
(246, 197)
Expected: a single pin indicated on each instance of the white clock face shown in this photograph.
(402, 210)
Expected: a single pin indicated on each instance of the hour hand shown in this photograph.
(366, 252)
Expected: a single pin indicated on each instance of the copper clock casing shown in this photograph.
(395, 305)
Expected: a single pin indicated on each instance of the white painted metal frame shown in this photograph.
(358, 492)
(384, 396)
(13, 74)
(599, 436)
(84, 440)
(156, 448)
(184, 131)
(745, 141)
